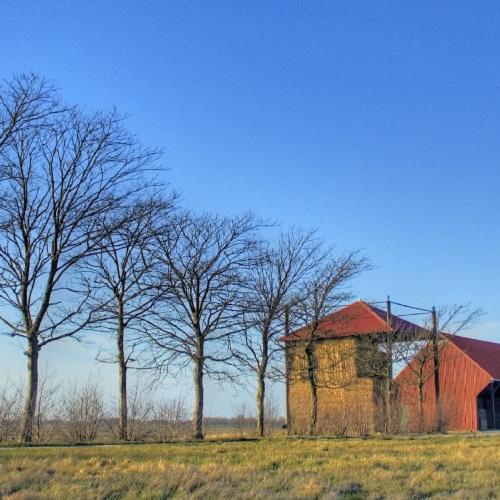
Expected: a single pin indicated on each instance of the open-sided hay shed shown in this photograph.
(348, 393)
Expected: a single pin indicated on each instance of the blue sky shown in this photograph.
(377, 122)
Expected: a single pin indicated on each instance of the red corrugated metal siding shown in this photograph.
(461, 381)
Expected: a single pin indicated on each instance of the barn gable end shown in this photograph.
(462, 379)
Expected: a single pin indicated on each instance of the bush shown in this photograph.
(169, 419)
(11, 402)
(82, 409)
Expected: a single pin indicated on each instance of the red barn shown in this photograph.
(469, 382)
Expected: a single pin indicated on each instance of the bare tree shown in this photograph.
(27, 101)
(122, 279)
(450, 319)
(60, 179)
(241, 418)
(321, 294)
(273, 281)
(204, 263)
(422, 353)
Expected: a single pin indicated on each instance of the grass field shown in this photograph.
(442, 466)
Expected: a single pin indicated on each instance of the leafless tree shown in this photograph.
(122, 280)
(273, 282)
(27, 101)
(241, 418)
(59, 180)
(321, 294)
(204, 260)
(420, 352)
(450, 319)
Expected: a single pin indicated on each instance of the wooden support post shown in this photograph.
(287, 388)
(389, 384)
(492, 391)
(389, 336)
(287, 369)
(435, 345)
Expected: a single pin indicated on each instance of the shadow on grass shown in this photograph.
(81, 444)
(242, 439)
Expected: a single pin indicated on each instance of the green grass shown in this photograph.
(457, 466)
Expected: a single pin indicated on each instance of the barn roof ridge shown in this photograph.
(355, 319)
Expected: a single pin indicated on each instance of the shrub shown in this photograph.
(169, 419)
(11, 398)
(82, 412)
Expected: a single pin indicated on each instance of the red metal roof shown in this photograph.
(358, 318)
(485, 354)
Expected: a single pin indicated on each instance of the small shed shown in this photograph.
(469, 386)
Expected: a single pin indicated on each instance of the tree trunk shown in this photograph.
(261, 391)
(198, 392)
(261, 385)
(435, 348)
(26, 430)
(437, 385)
(122, 377)
(311, 375)
(314, 409)
(388, 405)
(421, 407)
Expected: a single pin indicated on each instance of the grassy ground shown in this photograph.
(441, 467)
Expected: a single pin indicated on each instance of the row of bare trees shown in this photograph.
(91, 241)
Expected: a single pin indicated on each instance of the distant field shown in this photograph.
(444, 466)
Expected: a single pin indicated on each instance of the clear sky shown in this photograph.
(378, 122)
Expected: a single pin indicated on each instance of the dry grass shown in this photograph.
(443, 466)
